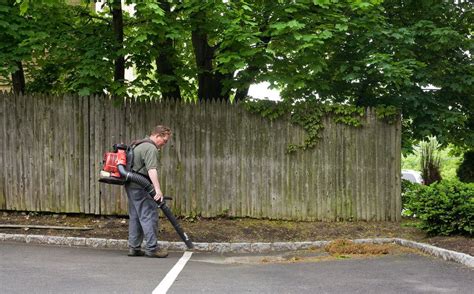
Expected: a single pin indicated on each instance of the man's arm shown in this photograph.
(153, 174)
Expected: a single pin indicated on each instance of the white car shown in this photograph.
(412, 176)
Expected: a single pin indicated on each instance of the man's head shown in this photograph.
(160, 135)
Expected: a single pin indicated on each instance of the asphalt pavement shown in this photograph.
(30, 268)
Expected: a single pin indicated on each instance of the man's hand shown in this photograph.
(159, 196)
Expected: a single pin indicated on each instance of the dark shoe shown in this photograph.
(135, 252)
(160, 253)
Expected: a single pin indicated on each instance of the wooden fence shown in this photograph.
(221, 160)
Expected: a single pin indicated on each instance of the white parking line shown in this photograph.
(171, 276)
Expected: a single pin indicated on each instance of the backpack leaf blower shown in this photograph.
(117, 171)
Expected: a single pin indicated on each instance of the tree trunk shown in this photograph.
(248, 76)
(209, 82)
(165, 63)
(18, 79)
(242, 93)
(117, 22)
(166, 70)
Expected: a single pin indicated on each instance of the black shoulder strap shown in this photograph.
(138, 142)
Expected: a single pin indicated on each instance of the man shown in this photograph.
(141, 207)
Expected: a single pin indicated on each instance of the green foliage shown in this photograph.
(64, 49)
(444, 208)
(414, 56)
(411, 161)
(406, 189)
(14, 29)
(387, 54)
(388, 113)
(308, 115)
(449, 163)
(466, 169)
(430, 161)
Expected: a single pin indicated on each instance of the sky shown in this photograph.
(261, 91)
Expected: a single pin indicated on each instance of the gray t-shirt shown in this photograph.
(145, 157)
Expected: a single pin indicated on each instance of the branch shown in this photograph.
(90, 16)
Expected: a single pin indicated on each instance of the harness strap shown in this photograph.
(134, 144)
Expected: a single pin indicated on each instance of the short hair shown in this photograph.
(161, 131)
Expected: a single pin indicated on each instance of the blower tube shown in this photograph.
(145, 183)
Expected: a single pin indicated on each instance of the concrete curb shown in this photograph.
(445, 254)
(257, 247)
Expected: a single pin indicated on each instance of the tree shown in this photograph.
(465, 171)
(442, 47)
(63, 48)
(119, 62)
(414, 55)
(13, 29)
(166, 60)
(156, 50)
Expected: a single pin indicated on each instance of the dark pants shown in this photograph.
(143, 222)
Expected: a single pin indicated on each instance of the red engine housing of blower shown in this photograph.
(112, 161)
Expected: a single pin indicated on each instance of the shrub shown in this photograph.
(407, 186)
(430, 160)
(466, 169)
(444, 208)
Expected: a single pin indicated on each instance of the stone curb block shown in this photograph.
(36, 239)
(177, 246)
(438, 252)
(54, 240)
(219, 247)
(96, 242)
(76, 241)
(260, 247)
(201, 247)
(119, 244)
(306, 245)
(240, 247)
(283, 246)
(319, 244)
(374, 241)
(257, 247)
(15, 237)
